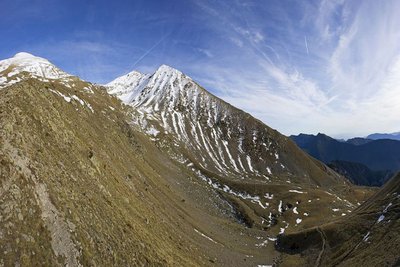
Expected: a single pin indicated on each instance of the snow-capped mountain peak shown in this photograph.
(138, 89)
(219, 137)
(35, 65)
(24, 55)
(167, 69)
(14, 69)
(124, 86)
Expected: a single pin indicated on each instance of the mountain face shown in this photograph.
(260, 172)
(173, 177)
(378, 155)
(358, 141)
(216, 136)
(360, 174)
(377, 136)
(368, 237)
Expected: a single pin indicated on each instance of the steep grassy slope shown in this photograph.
(80, 186)
(370, 236)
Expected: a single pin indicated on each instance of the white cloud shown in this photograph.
(206, 52)
(254, 36)
(237, 41)
(348, 84)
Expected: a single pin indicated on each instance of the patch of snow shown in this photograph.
(280, 209)
(298, 220)
(240, 145)
(386, 209)
(90, 107)
(381, 218)
(366, 237)
(5, 84)
(241, 164)
(66, 98)
(225, 143)
(78, 99)
(3, 80)
(203, 235)
(268, 196)
(88, 89)
(262, 244)
(83, 103)
(295, 210)
(297, 191)
(152, 131)
(249, 163)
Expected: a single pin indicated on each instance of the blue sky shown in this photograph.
(329, 66)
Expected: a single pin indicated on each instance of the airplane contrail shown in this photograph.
(151, 49)
(305, 41)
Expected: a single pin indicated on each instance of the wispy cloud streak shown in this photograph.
(306, 43)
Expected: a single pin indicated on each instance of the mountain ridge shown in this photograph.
(178, 176)
(376, 136)
(169, 90)
(235, 153)
(377, 155)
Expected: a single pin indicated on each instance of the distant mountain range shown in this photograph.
(376, 136)
(360, 174)
(362, 160)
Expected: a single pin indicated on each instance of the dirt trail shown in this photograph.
(323, 237)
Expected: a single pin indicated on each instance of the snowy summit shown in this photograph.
(27, 63)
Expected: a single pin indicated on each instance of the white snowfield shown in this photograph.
(35, 66)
